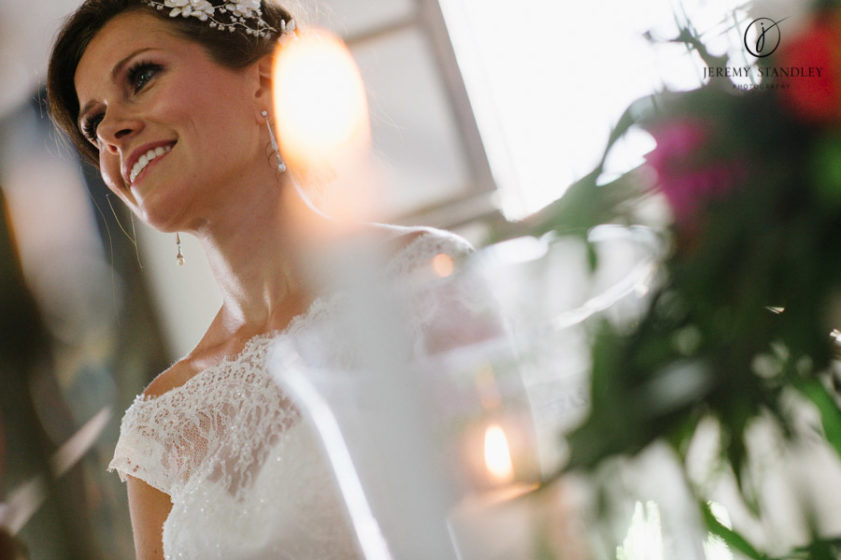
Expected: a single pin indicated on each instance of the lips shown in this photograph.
(142, 157)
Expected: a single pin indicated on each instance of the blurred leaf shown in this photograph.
(731, 538)
(818, 549)
(827, 407)
(592, 258)
(688, 37)
(585, 203)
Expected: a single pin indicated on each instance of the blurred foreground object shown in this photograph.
(322, 124)
(100, 342)
(727, 377)
(442, 394)
(24, 361)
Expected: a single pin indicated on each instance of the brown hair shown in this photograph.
(233, 50)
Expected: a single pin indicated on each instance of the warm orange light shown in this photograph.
(497, 454)
(442, 264)
(321, 112)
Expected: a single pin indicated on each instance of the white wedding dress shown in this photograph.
(246, 476)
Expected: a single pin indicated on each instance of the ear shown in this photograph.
(263, 89)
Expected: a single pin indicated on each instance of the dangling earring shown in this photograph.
(281, 166)
(179, 255)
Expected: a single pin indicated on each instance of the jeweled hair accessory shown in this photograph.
(244, 15)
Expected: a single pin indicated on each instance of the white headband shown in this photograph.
(243, 14)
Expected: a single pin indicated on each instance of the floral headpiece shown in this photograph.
(244, 15)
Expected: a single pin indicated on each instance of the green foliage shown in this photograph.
(765, 194)
(730, 537)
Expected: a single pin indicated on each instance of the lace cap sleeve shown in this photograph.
(417, 257)
(140, 451)
(449, 309)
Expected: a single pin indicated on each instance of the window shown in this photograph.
(547, 80)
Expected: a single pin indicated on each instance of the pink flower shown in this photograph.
(815, 98)
(685, 174)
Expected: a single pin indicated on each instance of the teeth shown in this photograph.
(145, 159)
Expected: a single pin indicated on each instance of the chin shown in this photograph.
(160, 216)
(163, 210)
(164, 222)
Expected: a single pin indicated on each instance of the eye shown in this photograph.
(89, 126)
(140, 74)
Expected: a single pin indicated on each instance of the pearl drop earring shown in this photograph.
(179, 255)
(281, 166)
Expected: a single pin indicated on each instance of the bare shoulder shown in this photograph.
(217, 343)
(398, 237)
(402, 237)
(174, 376)
(201, 357)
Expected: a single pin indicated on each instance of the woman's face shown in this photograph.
(174, 129)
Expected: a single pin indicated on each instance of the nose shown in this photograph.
(117, 128)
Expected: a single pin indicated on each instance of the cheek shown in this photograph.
(217, 112)
(109, 169)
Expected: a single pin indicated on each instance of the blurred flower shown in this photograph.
(814, 99)
(754, 183)
(686, 180)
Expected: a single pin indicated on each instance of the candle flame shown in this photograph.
(497, 454)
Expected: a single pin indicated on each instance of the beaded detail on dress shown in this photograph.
(245, 474)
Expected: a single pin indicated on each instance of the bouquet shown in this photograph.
(740, 330)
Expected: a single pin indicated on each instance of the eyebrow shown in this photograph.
(114, 72)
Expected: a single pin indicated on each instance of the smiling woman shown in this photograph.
(164, 92)
(173, 103)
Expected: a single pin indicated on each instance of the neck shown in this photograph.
(254, 248)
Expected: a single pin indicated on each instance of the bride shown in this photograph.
(171, 100)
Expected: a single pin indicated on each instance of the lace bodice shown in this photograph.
(245, 475)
